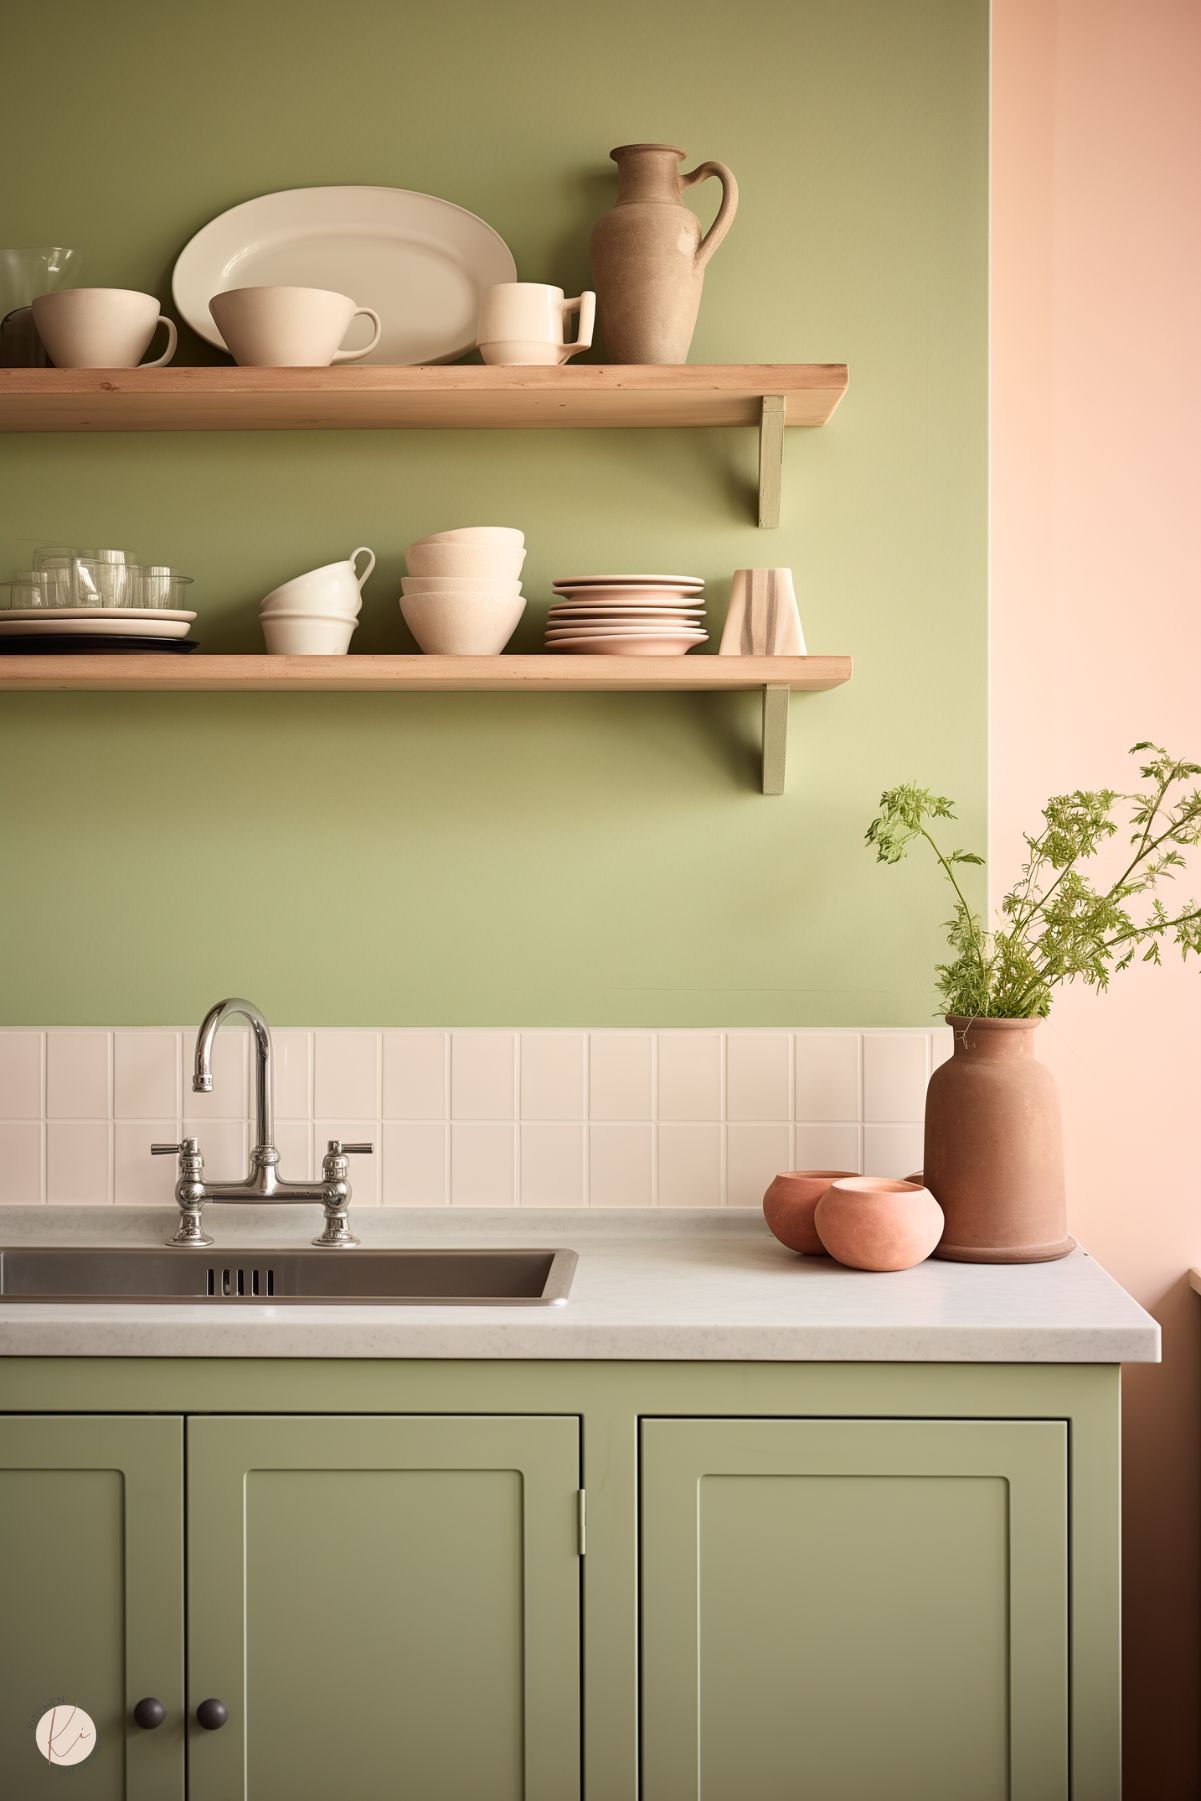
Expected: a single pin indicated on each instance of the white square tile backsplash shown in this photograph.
(690, 1172)
(552, 1075)
(79, 1075)
(621, 1075)
(483, 1075)
(416, 1075)
(690, 1075)
(21, 1058)
(472, 1118)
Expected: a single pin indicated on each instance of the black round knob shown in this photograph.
(211, 1714)
(149, 1713)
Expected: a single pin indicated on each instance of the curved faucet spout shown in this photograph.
(202, 1074)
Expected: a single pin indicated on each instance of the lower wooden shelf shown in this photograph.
(774, 677)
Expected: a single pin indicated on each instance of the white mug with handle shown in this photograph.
(101, 328)
(525, 322)
(289, 328)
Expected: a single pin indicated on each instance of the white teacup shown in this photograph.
(289, 328)
(525, 322)
(307, 635)
(101, 328)
(335, 588)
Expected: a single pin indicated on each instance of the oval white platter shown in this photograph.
(421, 262)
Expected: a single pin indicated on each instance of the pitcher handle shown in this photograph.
(585, 306)
(725, 212)
(362, 551)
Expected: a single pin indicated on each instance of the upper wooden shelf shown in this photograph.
(420, 675)
(773, 677)
(376, 396)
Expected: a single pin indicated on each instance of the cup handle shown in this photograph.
(585, 306)
(725, 212)
(362, 551)
(172, 341)
(353, 356)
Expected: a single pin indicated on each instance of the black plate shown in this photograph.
(70, 644)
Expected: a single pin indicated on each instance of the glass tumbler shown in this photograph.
(157, 586)
(28, 588)
(24, 274)
(62, 569)
(105, 582)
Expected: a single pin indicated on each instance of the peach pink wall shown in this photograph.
(1096, 643)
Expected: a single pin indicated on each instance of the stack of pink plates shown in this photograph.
(627, 615)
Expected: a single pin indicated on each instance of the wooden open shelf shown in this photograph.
(380, 397)
(774, 677)
(370, 396)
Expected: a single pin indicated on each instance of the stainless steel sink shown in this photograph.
(494, 1278)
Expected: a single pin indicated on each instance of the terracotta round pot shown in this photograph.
(994, 1147)
(788, 1207)
(870, 1222)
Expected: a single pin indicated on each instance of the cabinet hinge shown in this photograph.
(581, 1502)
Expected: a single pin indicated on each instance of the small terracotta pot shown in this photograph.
(869, 1222)
(788, 1207)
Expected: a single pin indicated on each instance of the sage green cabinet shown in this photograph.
(855, 1608)
(91, 1580)
(838, 1582)
(386, 1606)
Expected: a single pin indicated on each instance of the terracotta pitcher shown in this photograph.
(648, 255)
(994, 1147)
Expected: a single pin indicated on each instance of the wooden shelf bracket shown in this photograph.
(775, 736)
(772, 414)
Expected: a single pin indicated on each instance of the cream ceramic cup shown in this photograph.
(336, 589)
(307, 634)
(525, 322)
(101, 328)
(289, 328)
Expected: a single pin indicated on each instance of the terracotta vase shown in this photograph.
(994, 1147)
(871, 1222)
(648, 255)
(789, 1203)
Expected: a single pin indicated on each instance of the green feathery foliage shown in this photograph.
(1055, 925)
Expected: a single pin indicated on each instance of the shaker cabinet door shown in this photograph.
(91, 1580)
(849, 1610)
(386, 1607)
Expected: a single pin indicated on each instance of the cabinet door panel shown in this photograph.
(91, 1574)
(854, 1609)
(387, 1607)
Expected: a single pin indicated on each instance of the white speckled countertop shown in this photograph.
(679, 1285)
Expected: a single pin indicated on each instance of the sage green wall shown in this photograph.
(456, 859)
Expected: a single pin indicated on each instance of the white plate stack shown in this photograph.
(627, 615)
(462, 596)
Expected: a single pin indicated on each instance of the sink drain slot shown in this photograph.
(239, 1282)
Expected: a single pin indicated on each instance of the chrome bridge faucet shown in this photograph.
(263, 1184)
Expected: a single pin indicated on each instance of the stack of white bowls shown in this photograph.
(314, 615)
(462, 596)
